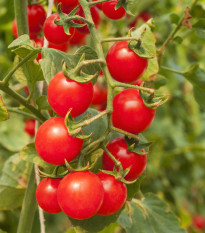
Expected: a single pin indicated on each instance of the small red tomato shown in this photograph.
(55, 33)
(138, 82)
(36, 18)
(14, 28)
(144, 16)
(46, 195)
(108, 9)
(64, 94)
(54, 144)
(78, 38)
(99, 95)
(119, 149)
(80, 194)
(61, 47)
(95, 16)
(30, 127)
(199, 222)
(68, 5)
(124, 64)
(115, 194)
(99, 5)
(130, 113)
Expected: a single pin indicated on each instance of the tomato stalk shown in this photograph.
(97, 2)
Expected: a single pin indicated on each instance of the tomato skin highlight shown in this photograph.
(46, 195)
(108, 9)
(55, 33)
(64, 94)
(54, 144)
(30, 127)
(119, 149)
(124, 64)
(130, 113)
(95, 16)
(115, 194)
(80, 194)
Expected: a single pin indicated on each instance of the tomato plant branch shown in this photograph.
(97, 2)
(87, 63)
(77, 17)
(29, 56)
(106, 40)
(172, 70)
(125, 133)
(26, 114)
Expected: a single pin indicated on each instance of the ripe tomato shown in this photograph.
(55, 33)
(54, 144)
(30, 127)
(130, 113)
(46, 195)
(138, 82)
(78, 38)
(118, 148)
(144, 16)
(68, 5)
(64, 94)
(36, 18)
(80, 194)
(95, 16)
(108, 9)
(99, 5)
(124, 64)
(61, 47)
(199, 222)
(14, 28)
(115, 194)
(99, 95)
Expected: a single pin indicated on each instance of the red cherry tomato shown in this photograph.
(95, 16)
(36, 18)
(118, 148)
(64, 94)
(54, 144)
(138, 82)
(46, 195)
(124, 64)
(99, 95)
(108, 9)
(80, 194)
(99, 5)
(68, 5)
(78, 38)
(144, 16)
(61, 47)
(115, 194)
(199, 222)
(14, 28)
(55, 33)
(30, 127)
(130, 113)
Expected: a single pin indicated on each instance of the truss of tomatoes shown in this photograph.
(83, 194)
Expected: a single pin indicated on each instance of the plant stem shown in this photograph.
(97, 2)
(22, 101)
(77, 17)
(29, 205)
(172, 70)
(118, 39)
(21, 17)
(30, 55)
(18, 111)
(89, 62)
(125, 133)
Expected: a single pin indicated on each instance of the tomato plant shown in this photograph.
(30, 127)
(109, 10)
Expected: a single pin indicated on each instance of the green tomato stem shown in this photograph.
(97, 2)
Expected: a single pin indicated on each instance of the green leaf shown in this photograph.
(51, 63)
(24, 51)
(150, 215)
(199, 95)
(158, 82)
(14, 173)
(147, 48)
(199, 24)
(174, 18)
(152, 69)
(4, 155)
(133, 189)
(11, 198)
(1, 231)
(21, 40)
(96, 223)
(100, 124)
(4, 115)
(42, 103)
(12, 133)
(30, 155)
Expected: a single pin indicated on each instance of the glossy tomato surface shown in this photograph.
(30, 127)
(124, 64)
(68, 5)
(54, 144)
(95, 16)
(80, 194)
(99, 95)
(55, 33)
(46, 195)
(64, 94)
(130, 113)
(36, 18)
(136, 162)
(115, 194)
(108, 9)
